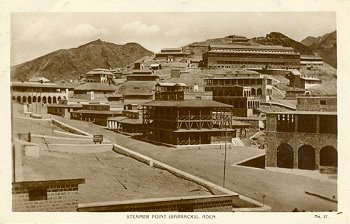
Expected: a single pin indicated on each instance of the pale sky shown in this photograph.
(36, 34)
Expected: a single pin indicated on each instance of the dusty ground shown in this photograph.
(283, 191)
(109, 176)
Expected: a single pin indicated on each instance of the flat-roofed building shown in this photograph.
(249, 56)
(36, 92)
(171, 54)
(63, 108)
(243, 91)
(305, 138)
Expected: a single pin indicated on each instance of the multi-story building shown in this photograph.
(305, 138)
(180, 91)
(310, 60)
(242, 91)
(36, 92)
(187, 122)
(171, 54)
(249, 56)
(99, 75)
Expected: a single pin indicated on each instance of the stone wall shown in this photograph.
(46, 196)
(314, 104)
(217, 203)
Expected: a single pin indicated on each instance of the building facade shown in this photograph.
(296, 79)
(31, 92)
(305, 138)
(233, 56)
(130, 122)
(93, 91)
(244, 91)
(187, 122)
(171, 54)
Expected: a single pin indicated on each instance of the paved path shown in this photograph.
(283, 191)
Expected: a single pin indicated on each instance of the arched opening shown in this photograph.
(39, 99)
(18, 99)
(285, 156)
(44, 99)
(13, 98)
(34, 99)
(49, 99)
(306, 157)
(253, 92)
(329, 156)
(259, 92)
(24, 99)
(58, 99)
(29, 99)
(54, 100)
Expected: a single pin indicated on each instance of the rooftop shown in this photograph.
(256, 47)
(38, 79)
(171, 84)
(137, 88)
(65, 105)
(99, 72)
(188, 103)
(104, 112)
(96, 86)
(37, 85)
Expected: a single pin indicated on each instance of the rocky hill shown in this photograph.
(275, 38)
(71, 63)
(325, 46)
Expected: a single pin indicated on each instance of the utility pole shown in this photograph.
(223, 184)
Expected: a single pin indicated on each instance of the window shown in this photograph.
(323, 102)
(37, 194)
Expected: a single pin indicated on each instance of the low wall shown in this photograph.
(68, 134)
(63, 140)
(69, 128)
(217, 203)
(80, 148)
(215, 189)
(46, 196)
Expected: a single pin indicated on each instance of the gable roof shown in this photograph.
(93, 86)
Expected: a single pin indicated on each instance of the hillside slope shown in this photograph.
(325, 46)
(71, 63)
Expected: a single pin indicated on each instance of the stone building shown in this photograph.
(99, 75)
(243, 91)
(130, 122)
(305, 138)
(249, 56)
(36, 92)
(63, 108)
(310, 61)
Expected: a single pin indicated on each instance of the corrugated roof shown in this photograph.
(96, 86)
(257, 47)
(187, 103)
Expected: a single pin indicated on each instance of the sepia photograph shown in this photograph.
(182, 116)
